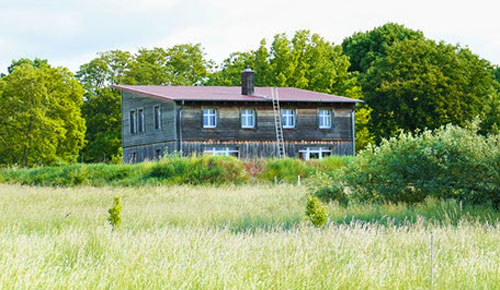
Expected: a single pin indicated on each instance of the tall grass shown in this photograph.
(246, 237)
(173, 170)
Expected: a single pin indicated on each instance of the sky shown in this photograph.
(70, 33)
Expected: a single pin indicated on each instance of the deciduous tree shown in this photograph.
(42, 121)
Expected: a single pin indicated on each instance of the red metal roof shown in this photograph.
(212, 93)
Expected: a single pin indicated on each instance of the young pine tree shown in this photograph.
(114, 217)
(316, 211)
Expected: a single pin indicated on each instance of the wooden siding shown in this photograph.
(147, 151)
(229, 122)
(131, 101)
(249, 150)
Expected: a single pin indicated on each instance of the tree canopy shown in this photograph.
(363, 48)
(423, 84)
(183, 64)
(42, 121)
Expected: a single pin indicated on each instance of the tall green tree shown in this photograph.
(363, 48)
(102, 105)
(423, 84)
(183, 64)
(42, 121)
(304, 61)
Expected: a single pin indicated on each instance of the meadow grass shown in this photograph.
(245, 237)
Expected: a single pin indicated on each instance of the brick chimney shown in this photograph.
(247, 79)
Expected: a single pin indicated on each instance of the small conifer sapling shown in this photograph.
(316, 211)
(114, 217)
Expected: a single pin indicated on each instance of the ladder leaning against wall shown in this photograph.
(278, 125)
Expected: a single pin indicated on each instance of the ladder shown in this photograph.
(278, 125)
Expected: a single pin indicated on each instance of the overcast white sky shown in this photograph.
(70, 33)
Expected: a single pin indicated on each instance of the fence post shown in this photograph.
(299, 182)
(275, 180)
(432, 258)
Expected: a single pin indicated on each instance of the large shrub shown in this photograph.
(199, 170)
(449, 162)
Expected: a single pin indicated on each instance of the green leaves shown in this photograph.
(316, 211)
(43, 123)
(114, 217)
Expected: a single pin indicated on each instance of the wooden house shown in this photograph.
(246, 122)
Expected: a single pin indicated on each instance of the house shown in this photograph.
(238, 121)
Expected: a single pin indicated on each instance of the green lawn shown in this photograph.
(250, 237)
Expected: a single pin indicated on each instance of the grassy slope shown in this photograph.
(236, 237)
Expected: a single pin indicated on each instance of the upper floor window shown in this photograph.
(133, 122)
(288, 118)
(157, 117)
(247, 118)
(141, 120)
(209, 118)
(325, 119)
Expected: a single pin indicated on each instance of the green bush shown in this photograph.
(449, 162)
(199, 170)
(315, 211)
(114, 217)
(285, 170)
(173, 169)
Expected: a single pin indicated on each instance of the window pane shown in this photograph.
(132, 122)
(325, 120)
(157, 117)
(209, 118)
(247, 118)
(288, 118)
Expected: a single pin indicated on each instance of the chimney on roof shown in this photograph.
(247, 78)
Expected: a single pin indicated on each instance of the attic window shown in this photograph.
(209, 118)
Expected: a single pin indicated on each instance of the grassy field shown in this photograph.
(248, 237)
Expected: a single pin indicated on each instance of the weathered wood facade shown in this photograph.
(182, 129)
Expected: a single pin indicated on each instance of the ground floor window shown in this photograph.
(221, 151)
(315, 153)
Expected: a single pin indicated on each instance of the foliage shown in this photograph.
(238, 237)
(179, 65)
(316, 211)
(174, 170)
(363, 48)
(305, 61)
(285, 170)
(114, 217)
(42, 123)
(423, 84)
(449, 162)
(199, 170)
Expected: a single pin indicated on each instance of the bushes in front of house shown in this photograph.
(212, 170)
(449, 162)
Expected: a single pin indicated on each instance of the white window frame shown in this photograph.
(133, 121)
(141, 119)
(325, 118)
(247, 115)
(221, 151)
(286, 115)
(209, 113)
(320, 150)
(157, 117)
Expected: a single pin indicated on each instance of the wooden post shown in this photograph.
(299, 182)
(275, 180)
